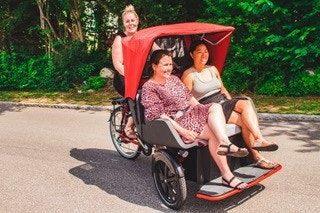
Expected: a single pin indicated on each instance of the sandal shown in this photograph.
(228, 183)
(130, 133)
(241, 152)
(261, 145)
(265, 164)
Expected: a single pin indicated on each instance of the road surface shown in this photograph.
(63, 160)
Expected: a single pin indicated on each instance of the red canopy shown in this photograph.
(136, 49)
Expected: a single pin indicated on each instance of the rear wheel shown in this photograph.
(169, 180)
(124, 147)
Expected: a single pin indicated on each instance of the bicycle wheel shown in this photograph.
(170, 185)
(117, 123)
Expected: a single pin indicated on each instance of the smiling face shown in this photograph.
(200, 55)
(163, 69)
(130, 23)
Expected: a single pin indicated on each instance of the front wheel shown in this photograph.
(169, 180)
(117, 122)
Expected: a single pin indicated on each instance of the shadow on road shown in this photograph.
(10, 108)
(131, 181)
(307, 132)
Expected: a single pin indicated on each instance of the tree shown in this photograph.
(58, 44)
(274, 44)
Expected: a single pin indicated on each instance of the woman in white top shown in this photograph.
(206, 85)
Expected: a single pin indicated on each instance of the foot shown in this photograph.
(232, 150)
(234, 183)
(130, 133)
(263, 145)
(265, 164)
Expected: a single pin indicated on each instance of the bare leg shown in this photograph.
(248, 137)
(249, 117)
(250, 120)
(217, 124)
(221, 161)
(128, 129)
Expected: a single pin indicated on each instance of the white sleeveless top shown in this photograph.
(203, 89)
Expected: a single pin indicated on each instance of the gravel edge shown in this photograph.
(262, 116)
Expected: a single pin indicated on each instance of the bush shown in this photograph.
(61, 72)
(94, 83)
(305, 83)
(274, 42)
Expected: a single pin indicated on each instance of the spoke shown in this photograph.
(173, 178)
(161, 175)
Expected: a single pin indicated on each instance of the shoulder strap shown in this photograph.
(193, 73)
(121, 34)
(212, 72)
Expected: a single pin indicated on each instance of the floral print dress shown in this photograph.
(170, 98)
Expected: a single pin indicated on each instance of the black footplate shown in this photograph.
(252, 175)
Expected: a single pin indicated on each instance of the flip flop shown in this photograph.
(258, 145)
(241, 152)
(265, 164)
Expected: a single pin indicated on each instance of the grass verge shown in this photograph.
(309, 105)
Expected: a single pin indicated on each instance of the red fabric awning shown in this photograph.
(136, 48)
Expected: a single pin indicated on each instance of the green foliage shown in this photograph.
(71, 65)
(304, 83)
(161, 12)
(62, 72)
(273, 45)
(75, 64)
(28, 74)
(274, 48)
(94, 83)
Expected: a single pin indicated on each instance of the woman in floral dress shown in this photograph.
(165, 96)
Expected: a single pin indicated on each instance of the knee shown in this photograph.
(235, 118)
(245, 104)
(215, 108)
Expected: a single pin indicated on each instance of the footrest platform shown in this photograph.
(252, 175)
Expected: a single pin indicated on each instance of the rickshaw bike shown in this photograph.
(173, 161)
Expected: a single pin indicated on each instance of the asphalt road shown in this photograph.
(63, 160)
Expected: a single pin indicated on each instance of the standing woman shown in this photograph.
(130, 20)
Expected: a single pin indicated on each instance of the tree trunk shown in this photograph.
(77, 26)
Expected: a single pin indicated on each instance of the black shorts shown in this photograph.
(227, 104)
(118, 83)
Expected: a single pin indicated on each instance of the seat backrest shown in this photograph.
(157, 132)
(137, 110)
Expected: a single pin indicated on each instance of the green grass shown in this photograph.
(309, 105)
(100, 98)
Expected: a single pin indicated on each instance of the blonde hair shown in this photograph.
(129, 9)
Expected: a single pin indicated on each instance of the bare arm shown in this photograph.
(117, 56)
(223, 89)
(187, 79)
(188, 134)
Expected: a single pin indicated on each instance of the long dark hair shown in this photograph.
(193, 47)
